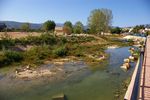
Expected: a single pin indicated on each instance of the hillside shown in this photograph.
(14, 24)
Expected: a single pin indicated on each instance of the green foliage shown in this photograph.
(9, 57)
(3, 60)
(68, 23)
(137, 28)
(60, 51)
(25, 27)
(68, 27)
(49, 26)
(48, 39)
(100, 20)
(83, 39)
(36, 54)
(37, 40)
(6, 41)
(13, 56)
(148, 32)
(2, 26)
(78, 28)
(116, 30)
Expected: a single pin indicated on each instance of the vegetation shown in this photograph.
(137, 28)
(116, 30)
(48, 47)
(148, 32)
(8, 57)
(2, 27)
(78, 28)
(60, 51)
(100, 20)
(49, 26)
(6, 41)
(68, 27)
(25, 27)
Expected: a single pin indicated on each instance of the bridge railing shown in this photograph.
(132, 88)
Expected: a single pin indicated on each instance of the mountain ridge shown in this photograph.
(15, 24)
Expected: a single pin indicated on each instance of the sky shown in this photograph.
(125, 12)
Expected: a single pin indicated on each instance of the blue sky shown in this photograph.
(125, 12)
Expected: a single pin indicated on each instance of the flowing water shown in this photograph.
(97, 82)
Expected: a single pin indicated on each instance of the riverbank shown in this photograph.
(49, 49)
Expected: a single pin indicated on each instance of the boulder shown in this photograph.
(126, 60)
(59, 97)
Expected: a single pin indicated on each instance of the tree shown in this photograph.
(78, 28)
(49, 26)
(116, 30)
(25, 27)
(68, 27)
(2, 26)
(137, 28)
(100, 20)
(148, 33)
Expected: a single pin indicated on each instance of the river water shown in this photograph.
(96, 82)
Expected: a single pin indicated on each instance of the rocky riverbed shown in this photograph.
(75, 79)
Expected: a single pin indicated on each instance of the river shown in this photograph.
(97, 82)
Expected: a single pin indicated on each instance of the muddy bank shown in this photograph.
(49, 72)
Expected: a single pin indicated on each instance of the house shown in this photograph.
(59, 31)
(147, 29)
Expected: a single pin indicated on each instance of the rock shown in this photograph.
(126, 60)
(127, 65)
(123, 67)
(131, 57)
(59, 97)
(59, 63)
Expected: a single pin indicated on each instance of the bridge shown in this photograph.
(144, 88)
(139, 87)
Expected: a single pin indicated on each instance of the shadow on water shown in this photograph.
(83, 84)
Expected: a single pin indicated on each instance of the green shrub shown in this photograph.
(2, 59)
(47, 39)
(9, 57)
(13, 56)
(60, 52)
(5, 43)
(36, 54)
(37, 40)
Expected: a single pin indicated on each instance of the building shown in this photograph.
(147, 29)
(59, 31)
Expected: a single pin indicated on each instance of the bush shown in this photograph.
(13, 56)
(36, 54)
(47, 39)
(2, 59)
(6, 41)
(37, 40)
(116, 30)
(9, 57)
(60, 52)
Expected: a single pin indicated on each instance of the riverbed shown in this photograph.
(95, 82)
